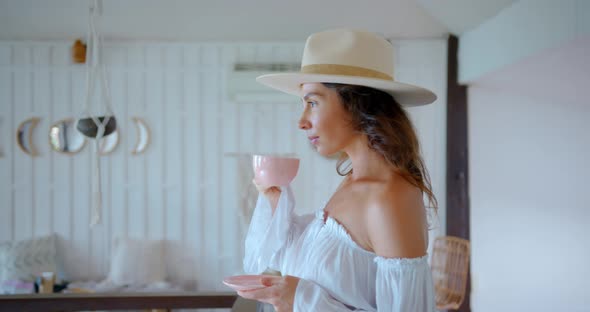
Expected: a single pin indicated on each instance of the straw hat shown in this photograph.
(349, 57)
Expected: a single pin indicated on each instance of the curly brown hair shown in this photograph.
(389, 131)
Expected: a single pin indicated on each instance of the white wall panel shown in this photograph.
(61, 203)
(41, 165)
(423, 62)
(7, 141)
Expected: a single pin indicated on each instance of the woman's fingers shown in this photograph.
(273, 190)
(265, 189)
(268, 281)
(267, 294)
(280, 293)
(272, 193)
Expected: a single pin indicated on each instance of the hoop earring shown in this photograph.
(348, 168)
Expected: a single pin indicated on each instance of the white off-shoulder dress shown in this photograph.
(336, 274)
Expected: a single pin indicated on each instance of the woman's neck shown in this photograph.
(367, 163)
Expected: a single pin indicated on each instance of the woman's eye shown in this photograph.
(312, 104)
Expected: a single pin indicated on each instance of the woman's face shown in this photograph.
(324, 119)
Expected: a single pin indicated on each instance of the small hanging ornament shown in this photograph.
(98, 120)
(79, 52)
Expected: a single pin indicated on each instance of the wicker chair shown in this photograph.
(450, 266)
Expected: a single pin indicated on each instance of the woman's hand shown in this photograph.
(272, 193)
(280, 292)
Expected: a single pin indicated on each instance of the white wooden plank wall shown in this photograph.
(184, 189)
(424, 63)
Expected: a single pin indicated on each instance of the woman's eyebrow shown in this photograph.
(305, 97)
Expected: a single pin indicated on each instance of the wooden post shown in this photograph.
(457, 157)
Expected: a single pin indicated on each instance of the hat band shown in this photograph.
(344, 70)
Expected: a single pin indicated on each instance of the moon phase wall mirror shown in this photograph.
(24, 136)
(143, 136)
(89, 128)
(107, 144)
(64, 138)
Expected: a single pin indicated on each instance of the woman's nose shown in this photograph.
(303, 123)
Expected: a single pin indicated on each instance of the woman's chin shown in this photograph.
(324, 152)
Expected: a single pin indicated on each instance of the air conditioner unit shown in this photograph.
(243, 88)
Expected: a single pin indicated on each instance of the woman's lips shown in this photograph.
(313, 139)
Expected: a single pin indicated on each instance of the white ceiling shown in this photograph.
(238, 19)
(460, 16)
(559, 75)
(214, 19)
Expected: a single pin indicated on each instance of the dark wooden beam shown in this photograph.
(116, 301)
(457, 156)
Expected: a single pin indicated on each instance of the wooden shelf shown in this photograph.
(117, 301)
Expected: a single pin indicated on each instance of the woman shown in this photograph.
(365, 250)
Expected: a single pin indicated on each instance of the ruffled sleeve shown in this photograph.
(310, 296)
(269, 236)
(404, 285)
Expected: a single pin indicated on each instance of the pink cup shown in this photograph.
(274, 170)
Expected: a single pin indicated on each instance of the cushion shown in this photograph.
(24, 260)
(137, 262)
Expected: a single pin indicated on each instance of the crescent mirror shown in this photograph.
(24, 136)
(109, 143)
(143, 136)
(65, 138)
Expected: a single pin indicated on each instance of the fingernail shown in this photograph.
(266, 282)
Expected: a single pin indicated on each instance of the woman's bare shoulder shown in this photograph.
(396, 221)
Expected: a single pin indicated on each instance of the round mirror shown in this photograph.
(64, 138)
(24, 136)
(88, 127)
(108, 143)
(143, 135)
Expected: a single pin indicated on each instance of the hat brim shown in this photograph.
(405, 94)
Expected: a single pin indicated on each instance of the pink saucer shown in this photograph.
(246, 282)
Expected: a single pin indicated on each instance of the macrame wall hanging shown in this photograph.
(97, 119)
